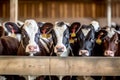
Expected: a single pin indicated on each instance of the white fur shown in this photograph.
(111, 32)
(85, 31)
(95, 25)
(31, 28)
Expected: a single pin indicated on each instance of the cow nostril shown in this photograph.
(60, 49)
(35, 47)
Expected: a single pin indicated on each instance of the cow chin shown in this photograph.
(62, 54)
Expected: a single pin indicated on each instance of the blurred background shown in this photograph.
(83, 11)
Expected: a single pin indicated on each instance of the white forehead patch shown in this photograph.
(95, 25)
(31, 27)
(111, 32)
(85, 31)
(60, 29)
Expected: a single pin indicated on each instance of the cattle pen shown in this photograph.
(105, 11)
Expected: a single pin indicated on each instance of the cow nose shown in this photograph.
(109, 53)
(84, 53)
(32, 48)
(60, 49)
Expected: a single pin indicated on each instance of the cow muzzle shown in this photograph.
(109, 53)
(84, 53)
(32, 49)
(60, 49)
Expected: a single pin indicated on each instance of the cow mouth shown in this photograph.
(83, 53)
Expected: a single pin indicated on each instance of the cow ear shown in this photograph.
(47, 24)
(40, 24)
(76, 26)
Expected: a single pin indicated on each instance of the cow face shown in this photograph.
(86, 40)
(61, 41)
(30, 37)
(110, 44)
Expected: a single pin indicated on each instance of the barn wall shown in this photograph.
(55, 9)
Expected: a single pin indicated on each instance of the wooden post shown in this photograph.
(109, 12)
(13, 10)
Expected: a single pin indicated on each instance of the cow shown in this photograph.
(36, 40)
(83, 40)
(61, 43)
(107, 44)
(61, 39)
(83, 36)
(8, 47)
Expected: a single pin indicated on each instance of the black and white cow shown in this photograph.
(36, 41)
(61, 43)
(29, 38)
(61, 39)
(84, 40)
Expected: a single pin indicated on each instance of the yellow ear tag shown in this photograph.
(48, 35)
(44, 35)
(98, 41)
(71, 41)
(73, 34)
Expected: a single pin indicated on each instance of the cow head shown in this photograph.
(110, 44)
(86, 40)
(12, 30)
(30, 37)
(61, 39)
(96, 26)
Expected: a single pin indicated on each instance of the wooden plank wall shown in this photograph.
(59, 9)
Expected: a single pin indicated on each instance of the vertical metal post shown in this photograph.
(13, 10)
(109, 13)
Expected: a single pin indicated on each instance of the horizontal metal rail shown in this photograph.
(41, 65)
